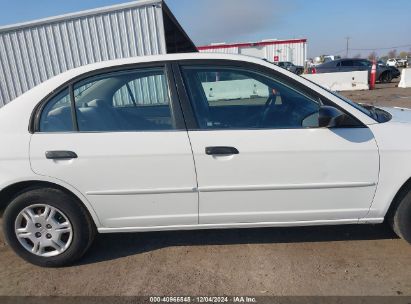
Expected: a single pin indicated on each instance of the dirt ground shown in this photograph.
(341, 260)
(384, 95)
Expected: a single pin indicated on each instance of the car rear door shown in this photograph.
(260, 156)
(120, 139)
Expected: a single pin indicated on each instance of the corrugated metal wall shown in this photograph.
(31, 54)
(147, 91)
(230, 50)
(293, 52)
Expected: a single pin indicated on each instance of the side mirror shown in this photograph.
(330, 117)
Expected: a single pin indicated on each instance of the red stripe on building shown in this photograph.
(249, 44)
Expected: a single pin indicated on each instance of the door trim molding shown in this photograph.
(143, 191)
(288, 187)
(235, 188)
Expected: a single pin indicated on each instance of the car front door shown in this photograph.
(261, 157)
(125, 147)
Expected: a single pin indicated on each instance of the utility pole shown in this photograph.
(348, 46)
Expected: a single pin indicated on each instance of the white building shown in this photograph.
(293, 50)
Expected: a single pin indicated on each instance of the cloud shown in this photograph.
(233, 20)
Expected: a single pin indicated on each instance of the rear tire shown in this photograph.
(70, 230)
(400, 216)
(386, 77)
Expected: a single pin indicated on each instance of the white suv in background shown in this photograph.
(193, 141)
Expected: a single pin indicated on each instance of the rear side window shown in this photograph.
(347, 63)
(361, 63)
(56, 115)
(129, 100)
(150, 90)
(136, 100)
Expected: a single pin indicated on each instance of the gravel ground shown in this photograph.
(341, 260)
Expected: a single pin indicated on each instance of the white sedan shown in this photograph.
(193, 141)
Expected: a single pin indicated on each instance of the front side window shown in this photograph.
(362, 63)
(135, 100)
(56, 115)
(347, 63)
(233, 98)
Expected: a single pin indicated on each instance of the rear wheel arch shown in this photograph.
(10, 192)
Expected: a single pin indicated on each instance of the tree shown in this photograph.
(392, 54)
(403, 54)
(384, 58)
(372, 56)
(357, 56)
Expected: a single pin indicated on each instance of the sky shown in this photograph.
(370, 24)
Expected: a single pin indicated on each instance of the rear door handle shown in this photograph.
(221, 151)
(61, 155)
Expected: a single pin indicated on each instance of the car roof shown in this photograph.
(168, 57)
(330, 63)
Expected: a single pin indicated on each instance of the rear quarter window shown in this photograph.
(57, 115)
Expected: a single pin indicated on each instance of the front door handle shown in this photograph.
(61, 155)
(221, 151)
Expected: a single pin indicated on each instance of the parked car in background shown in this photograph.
(324, 58)
(395, 72)
(397, 62)
(382, 63)
(384, 73)
(403, 62)
(193, 141)
(392, 62)
(329, 58)
(296, 69)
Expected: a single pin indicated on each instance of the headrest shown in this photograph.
(60, 111)
(98, 103)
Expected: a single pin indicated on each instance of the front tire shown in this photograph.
(400, 216)
(48, 227)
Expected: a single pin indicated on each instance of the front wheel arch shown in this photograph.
(405, 188)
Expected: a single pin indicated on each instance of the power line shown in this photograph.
(384, 48)
(339, 52)
(371, 49)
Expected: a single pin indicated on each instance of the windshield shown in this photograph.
(375, 113)
(349, 101)
(354, 104)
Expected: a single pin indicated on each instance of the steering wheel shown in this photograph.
(267, 108)
(258, 118)
(270, 101)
